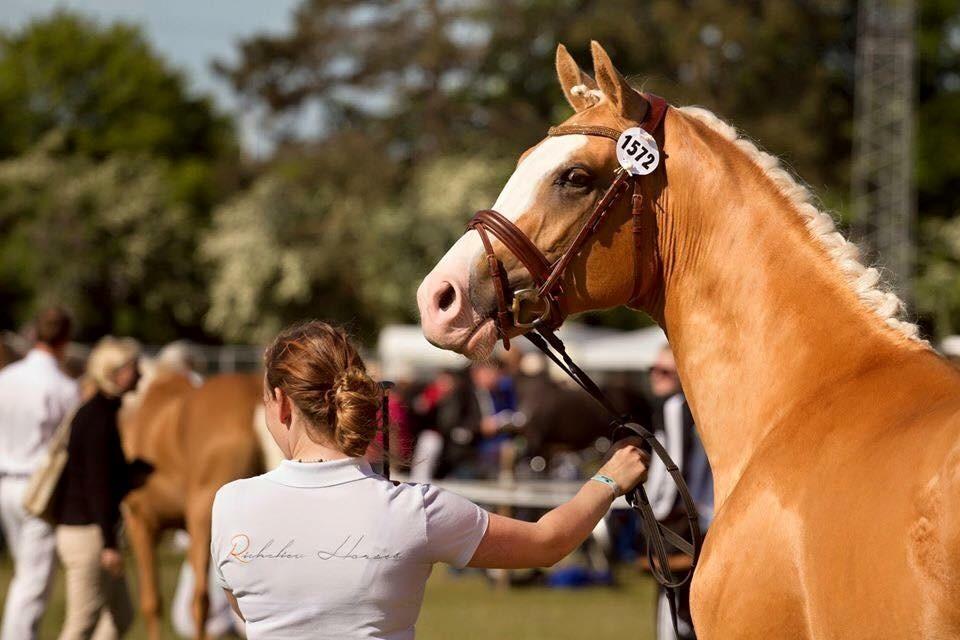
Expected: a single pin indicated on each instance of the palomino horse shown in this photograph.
(198, 439)
(832, 430)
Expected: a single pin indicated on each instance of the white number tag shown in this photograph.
(638, 152)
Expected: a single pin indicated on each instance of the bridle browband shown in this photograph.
(547, 308)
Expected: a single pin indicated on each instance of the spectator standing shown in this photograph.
(95, 481)
(496, 399)
(35, 396)
(429, 442)
(674, 427)
(475, 418)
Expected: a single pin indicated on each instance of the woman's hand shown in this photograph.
(112, 562)
(512, 544)
(627, 466)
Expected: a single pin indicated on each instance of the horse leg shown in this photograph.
(198, 526)
(142, 533)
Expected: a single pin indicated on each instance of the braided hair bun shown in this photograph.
(356, 403)
(321, 371)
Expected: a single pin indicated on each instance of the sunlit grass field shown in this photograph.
(464, 607)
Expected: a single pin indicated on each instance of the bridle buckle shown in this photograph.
(541, 314)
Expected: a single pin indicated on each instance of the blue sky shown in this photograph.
(189, 33)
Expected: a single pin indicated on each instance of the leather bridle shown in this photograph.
(537, 311)
(543, 305)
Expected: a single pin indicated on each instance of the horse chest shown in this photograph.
(746, 585)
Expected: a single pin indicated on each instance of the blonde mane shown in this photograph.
(865, 281)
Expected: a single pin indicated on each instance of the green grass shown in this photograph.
(464, 607)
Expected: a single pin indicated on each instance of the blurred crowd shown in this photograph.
(509, 414)
(514, 416)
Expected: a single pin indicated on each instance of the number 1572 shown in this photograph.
(637, 151)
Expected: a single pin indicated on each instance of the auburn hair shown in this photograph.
(322, 372)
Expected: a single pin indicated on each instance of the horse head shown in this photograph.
(554, 189)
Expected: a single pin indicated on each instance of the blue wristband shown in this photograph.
(607, 480)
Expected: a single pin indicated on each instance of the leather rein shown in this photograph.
(538, 311)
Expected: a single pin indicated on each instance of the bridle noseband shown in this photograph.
(544, 304)
(537, 311)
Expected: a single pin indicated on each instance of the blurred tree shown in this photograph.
(111, 170)
(938, 165)
(106, 238)
(938, 113)
(938, 287)
(104, 89)
(467, 75)
(312, 238)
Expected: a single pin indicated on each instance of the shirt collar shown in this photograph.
(320, 474)
(41, 356)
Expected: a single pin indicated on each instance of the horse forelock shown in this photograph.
(592, 95)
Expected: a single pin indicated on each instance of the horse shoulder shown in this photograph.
(749, 565)
(934, 536)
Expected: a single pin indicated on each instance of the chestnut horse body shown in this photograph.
(832, 431)
(198, 439)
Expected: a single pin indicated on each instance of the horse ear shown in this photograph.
(627, 102)
(570, 76)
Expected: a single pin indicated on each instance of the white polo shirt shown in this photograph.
(333, 550)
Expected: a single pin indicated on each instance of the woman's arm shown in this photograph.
(514, 544)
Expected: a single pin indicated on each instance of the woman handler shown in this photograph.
(323, 547)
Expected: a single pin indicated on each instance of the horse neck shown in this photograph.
(759, 317)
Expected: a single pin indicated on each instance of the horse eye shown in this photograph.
(576, 177)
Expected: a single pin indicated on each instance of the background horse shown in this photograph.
(832, 430)
(198, 439)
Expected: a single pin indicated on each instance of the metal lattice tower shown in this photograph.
(883, 194)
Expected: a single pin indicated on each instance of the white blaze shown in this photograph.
(518, 195)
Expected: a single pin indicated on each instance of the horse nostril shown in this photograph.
(447, 296)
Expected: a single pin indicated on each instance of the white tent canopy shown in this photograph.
(626, 351)
(951, 346)
(404, 352)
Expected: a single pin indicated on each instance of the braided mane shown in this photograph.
(865, 281)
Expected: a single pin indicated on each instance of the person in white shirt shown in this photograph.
(323, 547)
(35, 395)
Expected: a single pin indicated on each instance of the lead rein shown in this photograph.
(551, 345)
(385, 387)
